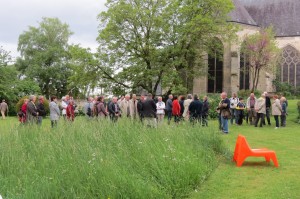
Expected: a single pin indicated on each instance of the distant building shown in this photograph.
(229, 72)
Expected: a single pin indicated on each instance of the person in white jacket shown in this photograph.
(160, 110)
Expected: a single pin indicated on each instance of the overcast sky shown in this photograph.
(81, 15)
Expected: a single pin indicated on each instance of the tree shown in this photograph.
(147, 43)
(44, 55)
(5, 57)
(262, 53)
(83, 64)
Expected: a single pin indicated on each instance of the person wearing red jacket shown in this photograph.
(22, 118)
(176, 109)
(70, 111)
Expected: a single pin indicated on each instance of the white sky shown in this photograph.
(81, 15)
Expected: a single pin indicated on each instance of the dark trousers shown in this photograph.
(283, 120)
(260, 116)
(53, 123)
(276, 117)
(176, 118)
(267, 116)
(169, 112)
(195, 118)
(204, 120)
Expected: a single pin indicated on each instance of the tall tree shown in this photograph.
(148, 43)
(44, 55)
(5, 57)
(262, 53)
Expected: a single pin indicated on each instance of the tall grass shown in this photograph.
(90, 159)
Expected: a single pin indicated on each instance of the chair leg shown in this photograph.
(274, 159)
(240, 161)
(267, 158)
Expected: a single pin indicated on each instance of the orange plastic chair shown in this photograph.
(242, 151)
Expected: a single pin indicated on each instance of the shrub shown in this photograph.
(214, 100)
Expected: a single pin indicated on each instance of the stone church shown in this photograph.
(230, 72)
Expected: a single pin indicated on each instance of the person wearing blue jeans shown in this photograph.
(224, 106)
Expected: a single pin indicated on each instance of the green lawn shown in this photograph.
(256, 178)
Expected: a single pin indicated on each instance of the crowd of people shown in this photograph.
(152, 112)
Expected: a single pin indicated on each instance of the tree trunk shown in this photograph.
(257, 79)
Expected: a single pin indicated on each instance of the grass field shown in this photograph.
(257, 179)
(90, 159)
(101, 160)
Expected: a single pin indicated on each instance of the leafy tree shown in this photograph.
(5, 57)
(262, 52)
(44, 55)
(147, 43)
(83, 64)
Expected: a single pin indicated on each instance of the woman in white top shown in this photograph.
(276, 110)
(160, 110)
(186, 105)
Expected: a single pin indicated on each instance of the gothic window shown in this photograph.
(215, 68)
(290, 66)
(244, 72)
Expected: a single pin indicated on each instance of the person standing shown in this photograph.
(240, 111)
(64, 105)
(3, 109)
(70, 111)
(149, 111)
(160, 107)
(224, 106)
(125, 107)
(101, 110)
(133, 107)
(251, 109)
(54, 111)
(284, 112)
(268, 109)
(260, 108)
(41, 109)
(276, 110)
(181, 103)
(176, 110)
(169, 107)
(140, 107)
(234, 100)
(186, 105)
(205, 109)
(31, 111)
(114, 110)
(195, 110)
(88, 108)
(22, 119)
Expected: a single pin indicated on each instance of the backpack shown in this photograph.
(89, 111)
(96, 109)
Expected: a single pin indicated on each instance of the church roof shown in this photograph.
(283, 15)
(240, 15)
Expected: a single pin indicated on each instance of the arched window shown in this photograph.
(215, 67)
(290, 66)
(244, 72)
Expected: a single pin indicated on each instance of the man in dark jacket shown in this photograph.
(41, 110)
(195, 110)
(140, 107)
(268, 109)
(149, 111)
(114, 109)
